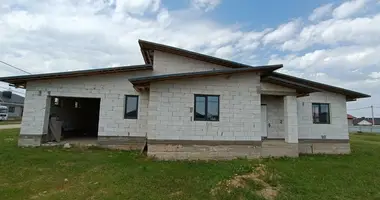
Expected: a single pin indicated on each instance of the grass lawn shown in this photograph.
(55, 173)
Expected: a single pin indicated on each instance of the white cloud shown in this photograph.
(344, 58)
(375, 75)
(349, 8)
(137, 6)
(321, 12)
(282, 33)
(205, 5)
(224, 52)
(69, 35)
(24, 20)
(163, 17)
(361, 30)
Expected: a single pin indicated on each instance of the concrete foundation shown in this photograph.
(227, 150)
(29, 140)
(279, 148)
(122, 143)
(211, 150)
(203, 152)
(324, 147)
(220, 150)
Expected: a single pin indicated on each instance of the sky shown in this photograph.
(333, 42)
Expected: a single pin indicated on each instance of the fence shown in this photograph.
(364, 129)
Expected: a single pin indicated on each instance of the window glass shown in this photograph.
(11, 109)
(213, 108)
(315, 113)
(324, 114)
(321, 113)
(206, 108)
(131, 104)
(200, 108)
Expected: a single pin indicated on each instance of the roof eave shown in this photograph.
(350, 95)
(300, 88)
(148, 79)
(21, 80)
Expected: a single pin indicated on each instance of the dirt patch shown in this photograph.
(263, 182)
(268, 193)
(66, 164)
(174, 194)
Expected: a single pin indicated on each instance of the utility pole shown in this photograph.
(373, 118)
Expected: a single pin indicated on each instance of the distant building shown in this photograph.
(365, 121)
(14, 102)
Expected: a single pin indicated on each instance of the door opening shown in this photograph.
(73, 118)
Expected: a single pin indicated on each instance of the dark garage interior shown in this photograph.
(73, 118)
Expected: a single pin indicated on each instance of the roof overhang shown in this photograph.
(21, 80)
(307, 86)
(148, 48)
(301, 89)
(144, 82)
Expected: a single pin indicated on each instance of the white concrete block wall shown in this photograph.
(109, 88)
(165, 63)
(337, 129)
(34, 113)
(171, 109)
(275, 115)
(291, 119)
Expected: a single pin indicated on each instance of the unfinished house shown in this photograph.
(185, 105)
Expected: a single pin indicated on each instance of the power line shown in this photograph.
(12, 90)
(15, 67)
(360, 108)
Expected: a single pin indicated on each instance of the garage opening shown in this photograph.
(73, 119)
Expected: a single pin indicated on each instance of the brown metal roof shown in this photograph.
(311, 86)
(147, 49)
(350, 116)
(148, 79)
(20, 80)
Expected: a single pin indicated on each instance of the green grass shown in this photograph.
(40, 173)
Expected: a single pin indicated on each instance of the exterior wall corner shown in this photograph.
(291, 119)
